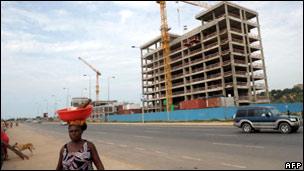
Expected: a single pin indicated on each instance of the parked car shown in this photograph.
(36, 121)
(63, 123)
(254, 118)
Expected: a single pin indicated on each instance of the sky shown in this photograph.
(41, 43)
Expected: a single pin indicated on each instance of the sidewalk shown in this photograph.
(46, 153)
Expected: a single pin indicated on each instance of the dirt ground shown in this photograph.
(46, 153)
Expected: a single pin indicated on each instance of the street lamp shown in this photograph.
(38, 106)
(89, 84)
(143, 98)
(83, 94)
(67, 98)
(142, 109)
(55, 106)
(109, 87)
(47, 106)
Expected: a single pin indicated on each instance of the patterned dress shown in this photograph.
(81, 160)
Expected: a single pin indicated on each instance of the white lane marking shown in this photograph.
(239, 145)
(140, 136)
(122, 145)
(191, 158)
(138, 148)
(159, 152)
(100, 141)
(233, 165)
(152, 131)
(224, 135)
(109, 143)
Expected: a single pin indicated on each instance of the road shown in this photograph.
(188, 147)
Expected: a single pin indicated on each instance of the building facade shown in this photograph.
(222, 57)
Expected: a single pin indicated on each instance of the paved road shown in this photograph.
(189, 147)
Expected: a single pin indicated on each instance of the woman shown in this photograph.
(78, 154)
(4, 138)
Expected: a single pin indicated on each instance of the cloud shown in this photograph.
(138, 5)
(39, 48)
(125, 15)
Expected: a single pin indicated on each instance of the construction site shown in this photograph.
(221, 58)
(217, 64)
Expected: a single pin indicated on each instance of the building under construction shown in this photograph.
(221, 57)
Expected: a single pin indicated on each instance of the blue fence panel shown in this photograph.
(283, 107)
(220, 113)
(179, 115)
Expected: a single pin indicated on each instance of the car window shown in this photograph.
(241, 113)
(251, 112)
(274, 112)
(261, 112)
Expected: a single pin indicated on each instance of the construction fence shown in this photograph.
(219, 113)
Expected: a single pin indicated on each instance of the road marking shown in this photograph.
(239, 145)
(159, 152)
(191, 158)
(122, 145)
(100, 141)
(140, 136)
(224, 135)
(138, 148)
(109, 143)
(152, 131)
(233, 165)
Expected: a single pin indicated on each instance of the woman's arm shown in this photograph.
(96, 158)
(59, 165)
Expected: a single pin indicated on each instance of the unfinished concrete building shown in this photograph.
(222, 57)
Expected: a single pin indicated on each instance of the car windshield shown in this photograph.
(274, 111)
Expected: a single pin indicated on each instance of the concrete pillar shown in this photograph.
(245, 33)
(263, 60)
(221, 60)
(235, 91)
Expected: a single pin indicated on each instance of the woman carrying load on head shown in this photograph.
(78, 154)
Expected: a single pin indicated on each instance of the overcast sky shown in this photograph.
(40, 43)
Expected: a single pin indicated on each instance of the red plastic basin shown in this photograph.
(72, 115)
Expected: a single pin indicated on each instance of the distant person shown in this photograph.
(78, 154)
(4, 138)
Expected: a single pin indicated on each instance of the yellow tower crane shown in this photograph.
(97, 77)
(166, 49)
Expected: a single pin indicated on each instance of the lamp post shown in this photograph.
(67, 98)
(55, 106)
(109, 87)
(109, 95)
(38, 106)
(82, 92)
(47, 106)
(142, 98)
(142, 109)
(89, 84)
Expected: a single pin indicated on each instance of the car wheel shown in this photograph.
(285, 128)
(246, 128)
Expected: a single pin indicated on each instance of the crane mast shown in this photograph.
(166, 52)
(166, 48)
(97, 76)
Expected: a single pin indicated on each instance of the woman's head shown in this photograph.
(75, 131)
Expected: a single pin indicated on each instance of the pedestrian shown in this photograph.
(4, 138)
(78, 154)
